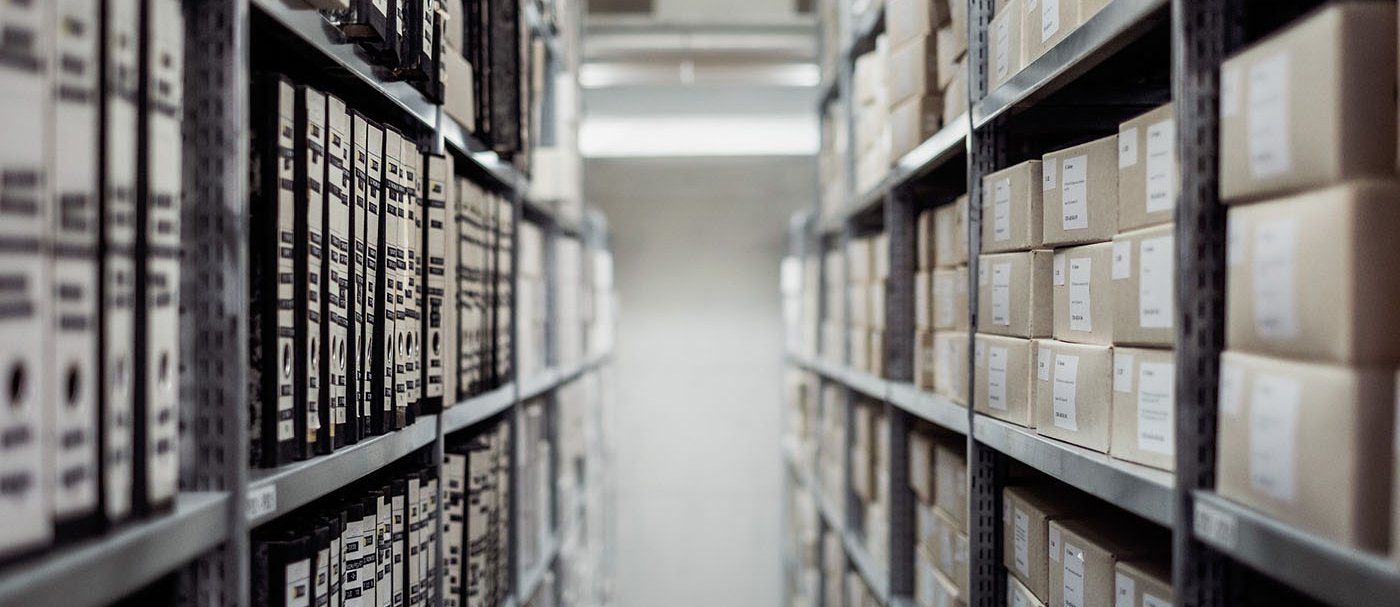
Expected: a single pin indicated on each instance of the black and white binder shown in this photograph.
(272, 256)
(25, 278)
(121, 62)
(321, 564)
(416, 46)
(281, 575)
(310, 226)
(379, 384)
(448, 308)
(365, 21)
(357, 403)
(335, 270)
(395, 337)
(429, 536)
(413, 548)
(384, 544)
(398, 491)
(454, 555)
(411, 237)
(433, 279)
(159, 198)
(352, 547)
(72, 376)
(504, 276)
(469, 276)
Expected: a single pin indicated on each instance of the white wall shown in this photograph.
(695, 428)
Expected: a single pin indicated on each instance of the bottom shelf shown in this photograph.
(860, 559)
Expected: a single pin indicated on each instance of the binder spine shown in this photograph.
(504, 280)
(413, 541)
(411, 231)
(433, 279)
(394, 397)
(310, 156)
(358, 404)
(337, 579)
(73, 372)
(384, 573)
(117, 238)
(377, 281)
(447, 308)
(352, 552)
(321, 565)
(398, 541)
(335, 324)
(158, 251)
(453, 526)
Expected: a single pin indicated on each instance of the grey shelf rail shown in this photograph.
(1335, 574)
(933, 408)
(477, 408)
(103, 570)
(553, 377)
(860, 559)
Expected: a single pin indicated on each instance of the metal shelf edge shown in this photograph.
(1101, 36)
(104, 569)
(471, 411)
(929, 155)
(1144, 491)
(555, 377)
(505, 174)
(1314, 565)
(300, 483)
(933, 408)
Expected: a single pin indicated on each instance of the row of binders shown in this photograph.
(90, 235)
(375, 544)
(379, 282)
(476, 525)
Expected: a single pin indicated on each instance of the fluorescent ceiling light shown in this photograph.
(698, 135)
(595, 75)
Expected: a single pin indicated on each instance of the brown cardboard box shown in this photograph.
(1005, 376)
(861, 306)
(860, 349)
(863, 442)
(1045, 24)
(906, 20)
(1144, 581)
(1311, 105)
(950, 476)
(921, 465)
(950, 299)
(1011, 208)
(876, 296)
(950, 365)
(950, 47)
(1090, 549)
(1084, 294)
(860, 261)
(912, 121)
(1312, 276)
(1014, 294)
(1004, 38)
(1080, 190)
(1027, 511)
(923, 300)
(880, 256)
(1148, 170)
(924, 233)
(1144, 287)
(1309, 444)
(1075, 402)
(925, 376)
(950, 552)
(1144, 407)
(950, 233)
(911, 70)
(877, 353)
(1017, 595)
(931, 588)
(955, 94)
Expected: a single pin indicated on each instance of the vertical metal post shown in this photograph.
(900, 219)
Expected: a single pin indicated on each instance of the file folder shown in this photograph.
(335, 269)
(310, 226)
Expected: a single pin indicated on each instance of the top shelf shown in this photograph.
(943, 146)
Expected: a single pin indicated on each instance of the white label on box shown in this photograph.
(1122, 259)
(1066, 383)
(1003, 49)
(1074, 194)
(1080, 316)
(1049, 174)
(1001, 226)
(1021, 541)
(1151, 601)
(1231, 389)
(1124, 590)
(1042, 363)
(1156, 398)
(1273, 435)
(1053, 543)
(1275, 253)
(1235, 235)
(1269, 153)
(1127, 148)
(1156, 305)
(996, 378)
(1122, 372)
(1059, 269)
(1161, 150)
(1018, 599)
(1229, 91)
(297, 592)
(1001, 294)
(1049, 19)
(1074, 576)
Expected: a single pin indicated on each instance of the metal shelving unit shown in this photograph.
(856, 554)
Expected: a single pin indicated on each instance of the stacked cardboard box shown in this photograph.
(941, 301)
(532, 295)
(832, 162)
(831, 452)
(870, 459)
(833, 322)
(804, 535)
(833, 567)
(872, 116)
(1307, 141)
(867, 270)
(804, 417)
(938, 476)
(1022, 30)
(928, 40)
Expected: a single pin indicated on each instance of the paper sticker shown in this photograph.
(1049, 174)
(1273, 435)
(1021, 541)
(1001, 294)
(1001, 224)
(1080, 316)
(1127, 148)
(1066, 380)
(1151, 601)
(297, 592)
(1003, 49)
(1122, 372)
(1231, 388)
(1059, 269)
(1074, 576)
(1124, 590)
(1235, 235)
(1156, 304)
(1229, 91)
(1161, 150)
(1122, 259)
(1275, 248)
(1049, 19)
(1215, 526)
(1269, 153)
(1053, 543)
(1074, 194)
(1156, 398)
(996, 378)
(1042, 363)
(1018, 599)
